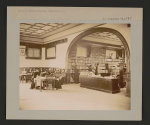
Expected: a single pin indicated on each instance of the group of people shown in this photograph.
(41, 78)
(93, 69)
(122, 71)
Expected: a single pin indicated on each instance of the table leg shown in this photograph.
(53, 84)
(41, 86)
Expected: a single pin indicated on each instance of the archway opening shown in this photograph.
(87, 50)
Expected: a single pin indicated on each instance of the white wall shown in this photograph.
(61, 52)
(60, 57)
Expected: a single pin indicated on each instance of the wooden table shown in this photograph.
(42, 80)
(100, 83)
(49, 80)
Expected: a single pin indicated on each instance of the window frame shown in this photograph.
(46, 48)
(33, 47)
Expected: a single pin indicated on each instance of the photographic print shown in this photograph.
(86, 68)
(68, 65)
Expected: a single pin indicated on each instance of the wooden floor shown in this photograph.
(71, 97)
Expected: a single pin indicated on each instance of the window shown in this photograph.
(33, 53)
(82, 51)
(110, 54)
(50, 52)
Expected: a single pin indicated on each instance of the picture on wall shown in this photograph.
(22, 51)
(111, 54)
(51, 52)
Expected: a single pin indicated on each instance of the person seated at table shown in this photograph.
(96, 68)
(22, 75)
(91, 68)
(57, 83)
(35, 73)
(63, 74)
(37, 80)
(43, 75)
(24, 71)
(48, 73)
(52, 74)
(29, 70)
(33, 79)
(41, 81)
(58, 78)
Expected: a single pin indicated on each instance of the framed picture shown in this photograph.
(50, 52)
(22, 51)
(110, 54)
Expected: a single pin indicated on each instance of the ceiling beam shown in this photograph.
(99, 43)
(31, 40)
(102, 40)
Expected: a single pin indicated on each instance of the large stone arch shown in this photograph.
(104, 29)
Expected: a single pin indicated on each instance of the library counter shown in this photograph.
(107, 84)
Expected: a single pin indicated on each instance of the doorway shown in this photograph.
(72, 50)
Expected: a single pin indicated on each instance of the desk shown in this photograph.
(99, 83)
(40, 81)
(51, 80)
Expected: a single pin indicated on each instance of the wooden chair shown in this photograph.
(51, 83)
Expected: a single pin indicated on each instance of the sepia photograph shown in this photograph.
(74, 66)
(70, 65)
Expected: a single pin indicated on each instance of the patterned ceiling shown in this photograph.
(42, 30)
(105, 35)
